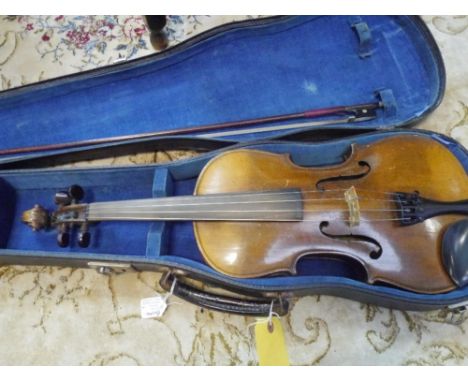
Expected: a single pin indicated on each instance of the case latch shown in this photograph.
(106, 268)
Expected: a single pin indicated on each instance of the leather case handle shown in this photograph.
(226, 304)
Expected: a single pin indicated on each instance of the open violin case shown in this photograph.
(248, 69)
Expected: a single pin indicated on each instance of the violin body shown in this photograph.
(406, 256)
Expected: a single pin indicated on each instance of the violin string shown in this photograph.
(253, 211)
(164, 208)
(112, 204)
(239, 219)
(127, 204)
(149, 215)
(209, 202)
(99, 209)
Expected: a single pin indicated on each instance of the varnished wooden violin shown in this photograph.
(393, 205)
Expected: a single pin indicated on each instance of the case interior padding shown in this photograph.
(173, 243)
(237, 71)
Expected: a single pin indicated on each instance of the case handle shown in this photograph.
(226, 304)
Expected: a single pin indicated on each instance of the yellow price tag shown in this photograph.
(271, 346)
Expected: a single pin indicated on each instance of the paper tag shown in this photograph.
(271, 346)
(153, 307)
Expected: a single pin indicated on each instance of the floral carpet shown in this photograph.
(63, 316)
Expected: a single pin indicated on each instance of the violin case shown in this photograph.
(242, 70)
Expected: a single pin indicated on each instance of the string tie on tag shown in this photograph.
(268, 320)
(170, 293)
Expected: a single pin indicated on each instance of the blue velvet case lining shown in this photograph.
(174, 244)
(256, 68)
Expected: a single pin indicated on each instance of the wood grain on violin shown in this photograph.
(256, 213)
(405, 256)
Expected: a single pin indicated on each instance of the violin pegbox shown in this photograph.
(69, 213)
(65, 200)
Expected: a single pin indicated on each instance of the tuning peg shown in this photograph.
(62, 198)
(84, 238)
(76, 192)
(63, 239)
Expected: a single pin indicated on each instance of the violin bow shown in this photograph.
(352, 113)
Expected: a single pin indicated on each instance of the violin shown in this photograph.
(397, 206)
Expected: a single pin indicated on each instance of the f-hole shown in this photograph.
(364, 167)
(374, 255)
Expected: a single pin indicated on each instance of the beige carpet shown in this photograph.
(78, 317)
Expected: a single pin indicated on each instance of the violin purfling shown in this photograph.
(388, 205)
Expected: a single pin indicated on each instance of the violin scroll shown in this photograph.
(37, 218)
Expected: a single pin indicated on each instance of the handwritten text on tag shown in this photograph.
(153, 307)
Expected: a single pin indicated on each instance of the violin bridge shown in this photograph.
(352, 200)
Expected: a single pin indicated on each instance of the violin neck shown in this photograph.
(279, 205)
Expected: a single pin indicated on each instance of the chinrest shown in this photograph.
(455, 252)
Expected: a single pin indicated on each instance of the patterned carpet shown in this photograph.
(62, 316)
